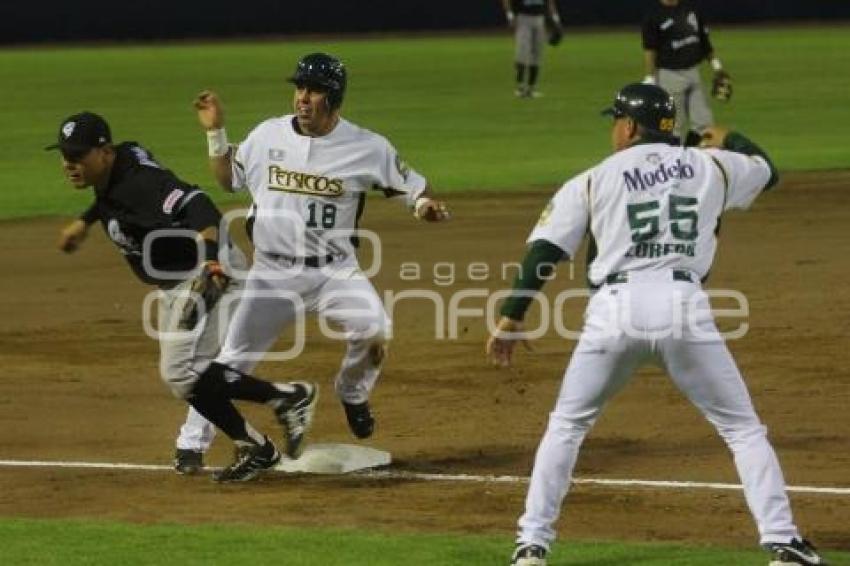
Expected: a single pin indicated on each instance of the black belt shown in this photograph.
(314, 261)
(623, 277)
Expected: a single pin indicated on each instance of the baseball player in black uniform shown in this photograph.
(528, 19)
(675, 42)
(167, 228)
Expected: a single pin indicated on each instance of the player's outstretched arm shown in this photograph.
(211, 117)
(649, 65)
(537, 266)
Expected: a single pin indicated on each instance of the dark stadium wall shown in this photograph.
(55, 21)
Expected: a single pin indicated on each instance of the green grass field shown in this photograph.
(69, 543)
(446, 103)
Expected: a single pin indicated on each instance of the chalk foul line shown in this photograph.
(469, 478)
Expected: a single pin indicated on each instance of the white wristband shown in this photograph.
(716, 65)
(556, 18)
(217, 142)
(510, 17)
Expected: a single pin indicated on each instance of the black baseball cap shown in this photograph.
(81, 132)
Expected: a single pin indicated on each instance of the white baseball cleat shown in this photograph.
(296, 416)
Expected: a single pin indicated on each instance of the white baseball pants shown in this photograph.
(278, 293)
(692, 108)
(654, 318)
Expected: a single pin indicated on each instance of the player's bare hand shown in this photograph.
(72, 236)
(714, 136)
(500, 345)
(431, 210)
(210, 110)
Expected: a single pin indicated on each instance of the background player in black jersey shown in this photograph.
(162, 225)
(675, 42)
(528, 19)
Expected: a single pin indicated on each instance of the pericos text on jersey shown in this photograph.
(293, 181)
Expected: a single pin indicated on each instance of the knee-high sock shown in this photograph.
(533, 71)
(210, 400)
(245, 387)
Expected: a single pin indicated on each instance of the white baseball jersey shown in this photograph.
(651, 206)
(310, 191)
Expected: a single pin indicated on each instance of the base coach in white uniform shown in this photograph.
(652, 211)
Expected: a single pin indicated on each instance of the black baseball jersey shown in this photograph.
(677, 34)
(141, 198)
(530, 7)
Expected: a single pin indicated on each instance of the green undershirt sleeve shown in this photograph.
(537, 266)
(738, 142)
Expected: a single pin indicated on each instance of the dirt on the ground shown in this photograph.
(80, 383)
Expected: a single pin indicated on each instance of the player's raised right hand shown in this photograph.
(210, 110)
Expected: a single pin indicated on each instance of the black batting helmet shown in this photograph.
(648, 105)
(323, 71)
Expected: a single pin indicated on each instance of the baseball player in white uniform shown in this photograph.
(308, 174)
(652, 211)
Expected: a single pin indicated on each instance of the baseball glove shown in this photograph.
(205, 291)
(721, 86)
(554, 31)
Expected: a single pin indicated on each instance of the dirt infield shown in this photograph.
(80, 383)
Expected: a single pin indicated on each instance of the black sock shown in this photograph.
(244, 387)
(532, 74)
(520, 73)
(223, 414)
(209, 398)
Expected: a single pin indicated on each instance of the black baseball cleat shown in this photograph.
(360, 419)
(251, 459)
(798, 551)
(526, 554)
(296, 415)
(188, 462)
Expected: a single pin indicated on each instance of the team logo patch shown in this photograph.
(171, 200)
(68, 129)
(402, 167)
(125, 242)
(654, 158)
(276, 154)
